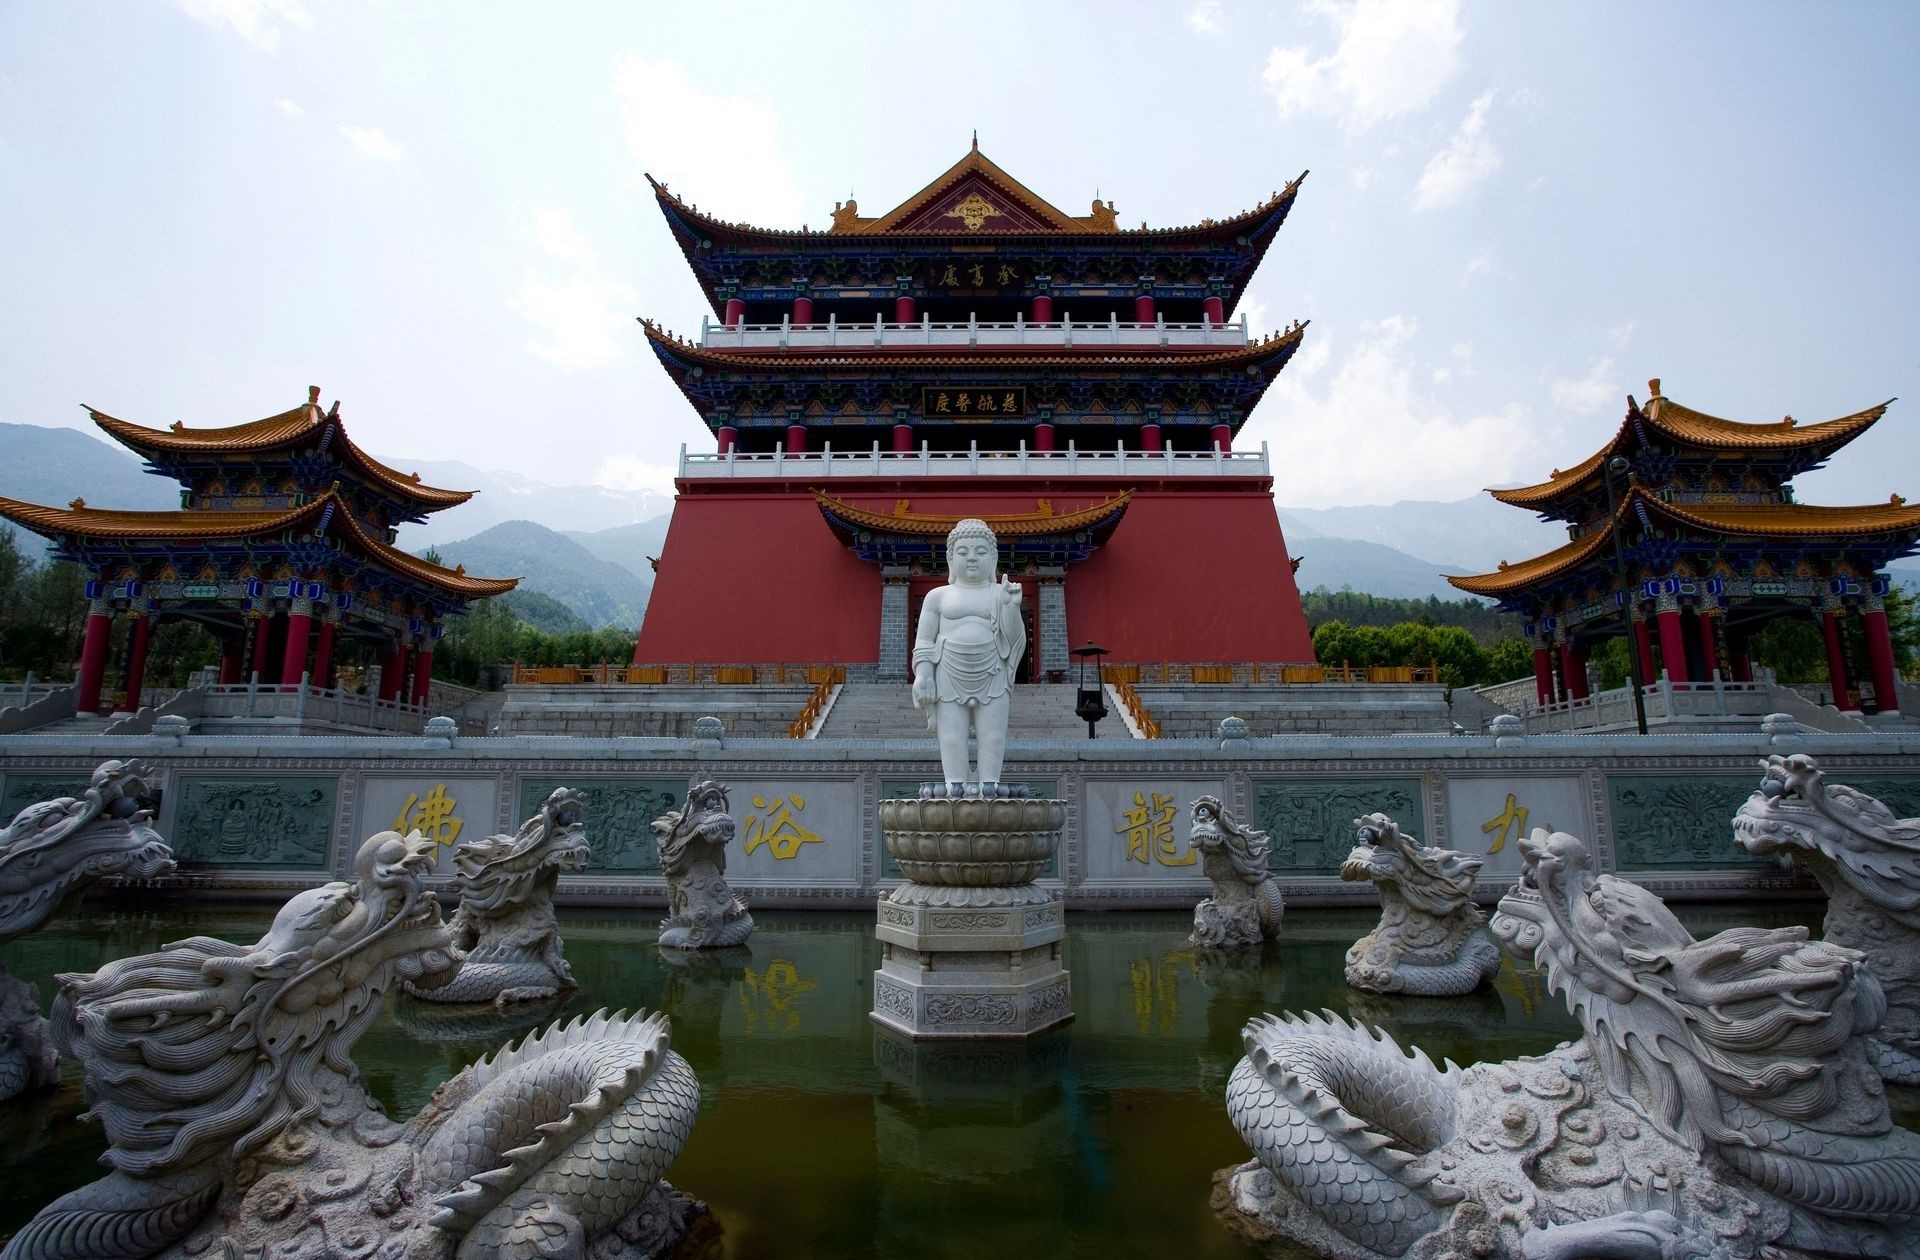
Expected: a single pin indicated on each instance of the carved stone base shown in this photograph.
(971, 973)
(28, 1060)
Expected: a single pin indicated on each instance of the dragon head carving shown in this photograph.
(502, 870)
(703, 821)
(1796, 812)
(52, 852)
(1437, 881)
(209, 1050)
(1214, 830)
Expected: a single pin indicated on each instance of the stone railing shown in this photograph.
(24, 706)
(784, 675)
(880, 332)
(1257, 674)
(303, 703)
(814, 711)
(1667, 702)
(1019, 462)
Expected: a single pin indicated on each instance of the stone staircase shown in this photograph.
(883, 710)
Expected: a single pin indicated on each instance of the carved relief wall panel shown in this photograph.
(24, 788)
(1134, 830)
(1310, 821)
(253, 822)
(794, 829)
(619, 817)
(1680, 822)
(1487, 815)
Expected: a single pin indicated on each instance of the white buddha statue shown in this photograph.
(969, 641)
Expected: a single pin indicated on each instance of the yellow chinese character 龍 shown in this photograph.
(1148, 827)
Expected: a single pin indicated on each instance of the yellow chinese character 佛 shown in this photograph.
(431, 816)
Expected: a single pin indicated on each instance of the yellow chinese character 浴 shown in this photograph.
(940, 403)
(776, 827)
(963, 403)
(1006, 403)
(1149, 830)
(948, 276)
(978, 274)
(1515, 817)
(986, 403)
(1007, 274)
(767, 999)
(431, 816)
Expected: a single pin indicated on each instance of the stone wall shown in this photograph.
(1195, 709)
(667, 711)
(268, 815)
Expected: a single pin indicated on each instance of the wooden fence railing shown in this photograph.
(678, 675)
(1142, 717)
(1177, 673)
(831, 676)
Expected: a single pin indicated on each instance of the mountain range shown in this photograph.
(588, 546)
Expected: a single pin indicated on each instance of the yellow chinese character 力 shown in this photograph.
(978, 274)
(948, 276)
(1007, 274)
(776, 827)
(431, 816)
(1148, 827)
(1514, 817)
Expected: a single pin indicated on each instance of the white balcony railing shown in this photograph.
(884, 333)
(874, 462)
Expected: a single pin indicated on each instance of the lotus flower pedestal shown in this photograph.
(970, 945)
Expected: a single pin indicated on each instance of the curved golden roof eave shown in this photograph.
(1011, 524)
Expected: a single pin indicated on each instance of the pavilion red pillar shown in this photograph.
(392, 665)
(729, 438)
(1214, 310)
(796, 439)
(137, 661)
(260, 632)
(1673, 645)
(1043, 436)
(293, 662)
(1886, 677)
(233, 649)
(1143, 309)
(1042, 309)
(736, 311)
(1643, 644)
(1740, 668)
(903, 310)
(323, 656)
(1222, 436)
(1573, 671)
(902, 439)
(93, 661)
(1543, 676)
(802, 312)
(1836, 659)
(422, 674)
(1150, 437)
(1709, 649)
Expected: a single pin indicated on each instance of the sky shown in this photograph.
(1516, 215)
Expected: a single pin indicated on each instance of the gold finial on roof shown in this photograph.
(976, 139)
(1653, 388)
(313, 395)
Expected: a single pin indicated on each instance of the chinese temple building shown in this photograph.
(974, 351)
(283, 547)
(1685, 526)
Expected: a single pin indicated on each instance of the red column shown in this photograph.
(293, 662)
(796, 439)
(232, 649)
(1742, 663)
(1042, 309)
(903, 310)
(392, 665)
(323, 657)
(902, 439)
(1673, 645)
(1886, 680)
(1222, 435)
(1573, 670)
(1043, 436)
(729, 438)
(1143, 309)
(93, 661)
(802, 312)
(422, 673)
(1214, 310)
(260, 632)
(1150, 437)
(137, 662)
(1643, 643)
(1542, 676)
(1836, 660)
(736, 312)
(1709, 649)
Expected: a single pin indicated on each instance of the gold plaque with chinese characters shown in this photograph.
(974, 402)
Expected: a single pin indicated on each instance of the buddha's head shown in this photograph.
(973, 555)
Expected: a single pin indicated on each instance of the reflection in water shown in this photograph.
(820, 1136)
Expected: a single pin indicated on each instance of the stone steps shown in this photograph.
(885, 711)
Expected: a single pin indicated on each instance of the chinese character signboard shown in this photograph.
(974, 402)
(1137, 831)
(445, 810)
(1487, 815)
(795, 830)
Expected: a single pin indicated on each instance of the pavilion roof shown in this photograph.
(77, 520)
(292, 428)
(1693, 428)
(1042, 520)
(1734, 520)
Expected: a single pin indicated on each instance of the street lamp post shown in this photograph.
(1090, 702)
(1616, 467)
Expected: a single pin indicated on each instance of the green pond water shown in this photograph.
(819, 1136)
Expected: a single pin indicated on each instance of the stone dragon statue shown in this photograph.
(50, 855)
(1868, 862)
(504, 923)
(1244, 907)
(238, 1125)
(702, 912)
(1721, 1106)
(1429, 940)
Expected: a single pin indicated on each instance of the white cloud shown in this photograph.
(670, 123)
(374, 142)
(1256, 312)
(1461, 367)
(554, 232)
(585, 321)
(627, 472)
(1204, 17)
(1620, 334)
(1363, 175)
(288, 108)
(1369, 434)
(1468, 158)
(1392, 58)
(256, 21)
(1479, 263)
(1589, 394)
